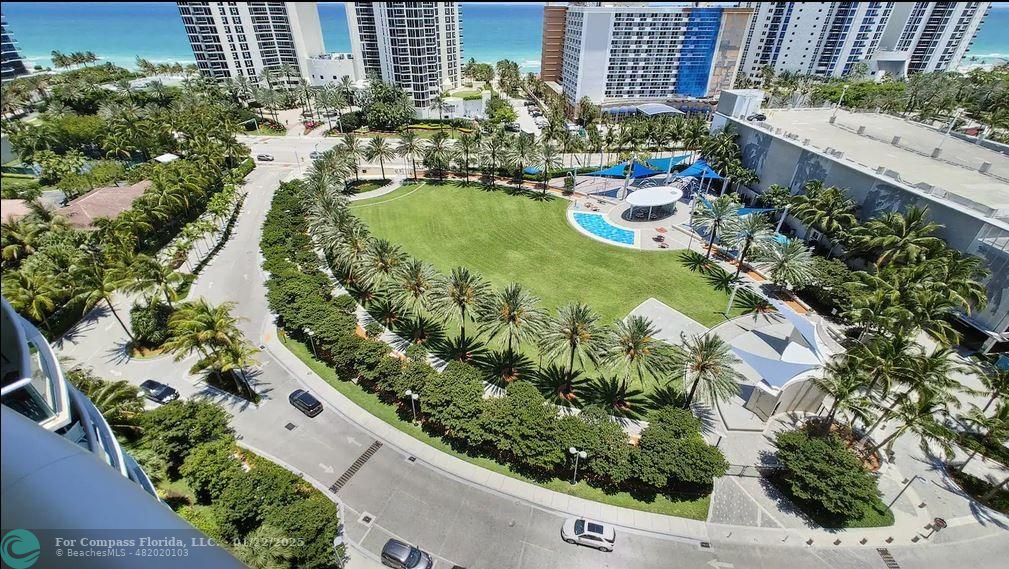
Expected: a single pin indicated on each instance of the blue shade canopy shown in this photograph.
(532, 170)
(699, 169)
(618, 171)
(664, 163)
(749, 210)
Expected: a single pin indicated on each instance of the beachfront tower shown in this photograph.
(241, 39)
(416, 45)
(12, 64)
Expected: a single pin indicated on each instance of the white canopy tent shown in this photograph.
(654, 197)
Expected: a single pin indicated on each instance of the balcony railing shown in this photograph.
(37, 388)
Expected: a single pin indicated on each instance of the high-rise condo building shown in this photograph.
(829, 39)
(416, 45)
(241, 39)
(11, 64)
(931, 36)
(626, 52)
(552, 51)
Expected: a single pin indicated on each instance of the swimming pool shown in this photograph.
(597, 225)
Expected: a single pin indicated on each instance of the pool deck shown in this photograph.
(673, 228)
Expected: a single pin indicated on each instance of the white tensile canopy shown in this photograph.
(805, 351)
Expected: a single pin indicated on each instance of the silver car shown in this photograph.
(590, 533)
(399, 555)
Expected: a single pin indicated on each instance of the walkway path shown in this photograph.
(394, 184)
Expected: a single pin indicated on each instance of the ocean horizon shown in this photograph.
(121, 31)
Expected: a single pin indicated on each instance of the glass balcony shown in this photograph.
(33, 383)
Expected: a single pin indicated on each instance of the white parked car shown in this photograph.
(590, 533)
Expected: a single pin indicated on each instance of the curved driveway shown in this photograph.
(390, 495)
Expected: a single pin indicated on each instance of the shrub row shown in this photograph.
(239, 496)
(520, 429)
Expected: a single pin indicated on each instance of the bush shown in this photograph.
(524, 427)
(454, 400)
(673, 453)
(821, 473)
(173, 430)
(203, 519)
(244, 169)
(345, 304)
(210, 468)
(314, 519)
(373, 329)
(610, 456)
(831, 283)
(244, 503)
(150, 323)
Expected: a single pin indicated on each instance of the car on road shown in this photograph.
(757, 117)
(401, 555)
(589, 533)
(305, 402)
(315, 155)
(513, 127)
(264, 157)
(158, 392)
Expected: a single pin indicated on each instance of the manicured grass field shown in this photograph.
(527, 239)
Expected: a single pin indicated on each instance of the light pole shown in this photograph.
(952, 123)
(690, 220)
(413, 402)
(902, 490)
(784, 214)
(732, 296)
(839, 101)
(311, 340)
(578, 454)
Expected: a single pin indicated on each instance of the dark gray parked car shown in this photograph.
(401, 555)
(305, 402)
(158, 392)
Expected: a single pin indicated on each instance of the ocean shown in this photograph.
(120, 31)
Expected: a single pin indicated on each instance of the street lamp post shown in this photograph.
(578, 454)
(311, 340)
(781, 221)
(952, 123)
(732, 296)
(413, 402)
(839, 101)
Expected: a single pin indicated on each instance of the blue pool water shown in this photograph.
(597, 225)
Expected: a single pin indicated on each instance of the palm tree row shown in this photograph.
(410, 296)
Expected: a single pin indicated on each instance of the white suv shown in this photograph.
(590, 533)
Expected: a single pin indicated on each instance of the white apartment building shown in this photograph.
(615, 52)
(829, 38)
(416, 45)
(813, 38)
(241, 39)
(931, 36)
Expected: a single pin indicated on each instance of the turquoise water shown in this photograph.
(991, 44)
(597, 225)
(119, 32)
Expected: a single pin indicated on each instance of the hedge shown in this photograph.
(244, 169)
(521, 429)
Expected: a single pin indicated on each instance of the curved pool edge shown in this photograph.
(580, 229)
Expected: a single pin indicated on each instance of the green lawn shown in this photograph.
(696, 509)
(521, 238)
(359, 187)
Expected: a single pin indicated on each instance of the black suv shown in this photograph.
(158, 392)
(305, 402)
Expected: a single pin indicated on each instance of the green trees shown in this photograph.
(744, 232)
(513, 311)
(634, 350)
(708, 367)
(821, 472)
(788, 262)
(97, 283)
(712, 217)
(385, 106)
(673, 452)
(523, 426)
(410, 146)
(119, 401)
(460, 292)
(379, 149)
(898, 237)
(173, 430)
(825, 209)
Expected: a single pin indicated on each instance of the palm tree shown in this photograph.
(414, 282)
(353, 151)
(119, 402)
(744, 232)
(559, 385)
(379, 148)
(695, 131)
(714, 215)
(98, 283)
(467, 145)
(439, 153)
(918, 416)
(995, 383)
(33, 293)
(383, 259)
(438, 104)
(150, 275)
(886, 360)
(845, 384)
(514, 310)
(410, 145)
(788, 262)
(549, 158)
(618, 398)
(19, 238)
(826, 209)
(635, 349)
(493, 146)
(460, 292)
(993, 429)
(519, 153)
(574, 330)
(201, 327)
(708, 368)
(898, 237)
